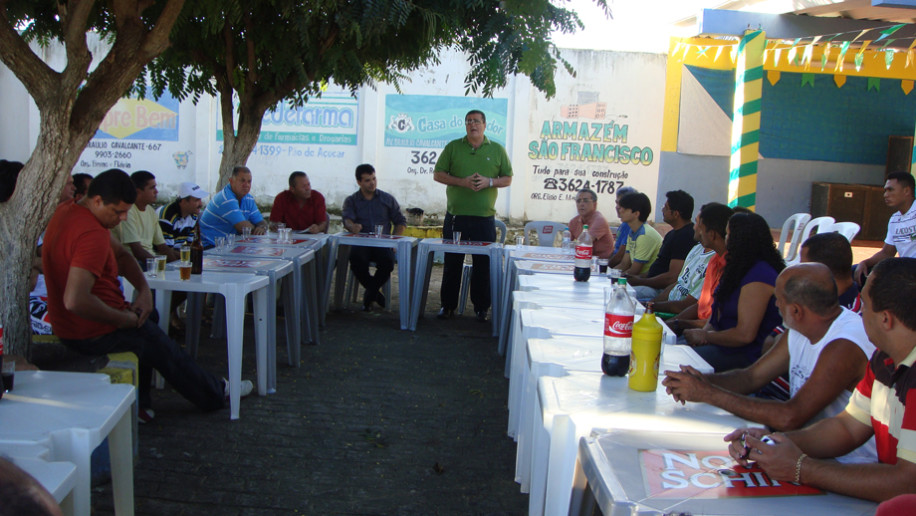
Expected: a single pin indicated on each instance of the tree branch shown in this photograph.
(39, 79)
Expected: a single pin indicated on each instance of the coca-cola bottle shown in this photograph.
(618, 331)
(583, 268)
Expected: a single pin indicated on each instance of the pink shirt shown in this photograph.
(602, 240)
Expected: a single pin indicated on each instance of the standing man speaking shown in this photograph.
(473, 168)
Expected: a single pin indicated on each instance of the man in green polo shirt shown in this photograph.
(473, 168)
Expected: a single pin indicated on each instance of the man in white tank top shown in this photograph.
(825, 354)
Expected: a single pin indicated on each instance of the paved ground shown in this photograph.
(375, 421)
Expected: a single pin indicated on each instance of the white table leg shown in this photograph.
(235, 304)
(271, 351)
(290, 308)
(73, 445)
(420, 282)
(404, 262)
(312, 300)
(120, 448)
(261, 324)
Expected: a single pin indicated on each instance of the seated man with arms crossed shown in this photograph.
(824, 352)
(87, 309)
(300, 207)
(880, 406)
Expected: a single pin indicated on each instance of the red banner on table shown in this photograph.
(263, 240)
(678, 474)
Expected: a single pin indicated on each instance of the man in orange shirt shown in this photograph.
(598, 228)
(710, 232)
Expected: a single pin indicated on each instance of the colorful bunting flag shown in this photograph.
(888, 58)
(839, 80)
(874, 83)
(887, 32)
(807, 78)
(773, 76)
(906, 86)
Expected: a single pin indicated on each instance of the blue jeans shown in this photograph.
(155, 350)
(723, 358)
(478, 229)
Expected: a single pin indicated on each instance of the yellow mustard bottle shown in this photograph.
(644, 357)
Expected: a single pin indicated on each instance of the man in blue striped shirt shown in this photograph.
(232, 209)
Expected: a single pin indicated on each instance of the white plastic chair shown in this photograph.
(847, 229)
(468, 268)
(815, 225)
(796, 225)
(545, 230)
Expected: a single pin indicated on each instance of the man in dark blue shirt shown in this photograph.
(362, 212)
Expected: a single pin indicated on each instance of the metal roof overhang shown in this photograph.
(847, 17)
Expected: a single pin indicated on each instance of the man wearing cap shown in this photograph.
(177, 219)
(300, 207)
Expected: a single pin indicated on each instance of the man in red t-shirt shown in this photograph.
(300, 207)
(87, 310)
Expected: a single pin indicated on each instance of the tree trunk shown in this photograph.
(238, 146)
(26, 215)
(72, 104)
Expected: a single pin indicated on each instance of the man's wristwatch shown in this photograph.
(491, 182)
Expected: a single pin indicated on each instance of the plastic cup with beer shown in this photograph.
(185, 253)
(184, 270)
(160, 265)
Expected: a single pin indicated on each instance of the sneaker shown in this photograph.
(245, 388)
(145, 415)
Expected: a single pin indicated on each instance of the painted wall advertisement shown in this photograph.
(417, 128)
(601, 132)
(141, 134)
(319, 138)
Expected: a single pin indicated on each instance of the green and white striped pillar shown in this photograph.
(742, 178)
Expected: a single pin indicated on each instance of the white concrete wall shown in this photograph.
(333, 134)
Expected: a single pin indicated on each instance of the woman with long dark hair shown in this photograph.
(744, 308)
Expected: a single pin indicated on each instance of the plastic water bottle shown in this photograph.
(647, 347)
(567, 239)
(583, 269)
(618, 331)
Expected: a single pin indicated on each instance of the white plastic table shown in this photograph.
(318, 242)
(304, 276)
(516, 256)
(620, 472)
(557, 356)
(275, 270)
(570, 407)
(425, 250)
(403, 247)
(71, 414)
(234, 288)
(321, 244)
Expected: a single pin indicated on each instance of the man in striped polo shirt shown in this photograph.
(877, 407)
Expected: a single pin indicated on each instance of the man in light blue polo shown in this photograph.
(232, 209)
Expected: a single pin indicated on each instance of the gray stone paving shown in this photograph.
(375, 421)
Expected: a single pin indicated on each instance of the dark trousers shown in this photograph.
(359, 264)
(477, 229)
(155, 350)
